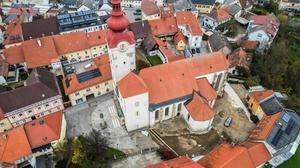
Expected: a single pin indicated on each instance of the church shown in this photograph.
(185, 88)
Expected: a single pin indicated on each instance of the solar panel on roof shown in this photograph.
(82, 77)
(277, 137)
(286, 117)
(290, 126)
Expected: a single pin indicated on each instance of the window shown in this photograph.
(97, 86)
(137, 104)
(47, 105)
(77, 94)
(85, 52)
(39, 108)
(188, 117)
(29, 111)
(179, 107)
(259, 35)
(137, 113)
(156, 114)
(167, 111)
(106, 83)
(13, 117)
(42, 113)
(87, 90)
(99, 93)
(20, 114)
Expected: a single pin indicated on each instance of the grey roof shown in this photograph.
(40, 85)
(217, 41)
(149, 43)
(205, 2)
(183, 5)
(140, 29)
(234, 9)
(285, 130)
(271, 106)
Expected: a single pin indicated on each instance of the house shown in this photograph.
(204, 6)
(289, 5)
(249, 45)
(93, 82)
(263, 102)
(187, 23)
(13, 34)
(247, 4)
(131, 3)
(151, 45)
(235, 10)
(85, 21)
(34, 139)
(215, 18)
(140, 30)
(39, 96)
(219, 42)
(280, 133)
(263, 28)
(150, 9)
(180, 41)
(238, 59)
(185, 5)
(164, 28)
(180, 162)
(33, 30)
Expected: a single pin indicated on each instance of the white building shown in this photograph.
(131, 3)
(215, 18)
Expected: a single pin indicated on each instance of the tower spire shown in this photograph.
(117, 21)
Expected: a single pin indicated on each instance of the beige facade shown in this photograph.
(36, 110)
(5, 125)
(204, 8)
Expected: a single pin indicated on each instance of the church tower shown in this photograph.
(121, 43)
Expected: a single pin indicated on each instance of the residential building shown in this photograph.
(180, 162)
(140, 30)
(93, 82)
(151, 45)
(131, 3)
(204, 6)
(180, 41)
(215, 18)
(238, 59)
(184, 5)
(39, 96)
(13, 34)
(86, 21)
(247, 4)
(263, 102)
(164, 28)
(290, 5)
(150, 9)
(263, 28)
(187, 23)
(218, 42)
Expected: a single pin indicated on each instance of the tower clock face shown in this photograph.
(123, 46)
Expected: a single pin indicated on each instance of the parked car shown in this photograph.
(228, 122)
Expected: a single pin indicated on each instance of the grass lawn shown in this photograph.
(154, 60)
(293, 162)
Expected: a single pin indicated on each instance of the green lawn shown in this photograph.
(154, 60)
(293, 162)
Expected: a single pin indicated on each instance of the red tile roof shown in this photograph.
(101, 60)
(14, 145)
(131, 85)
(75, 86)
(199, 109)
(179, 37)
(177, 79)
(238, 58)
(114, 38)
(188, 20)
(259, 96)
(14, 55)
(206, 90)
(163, 26)
(176, 58)
(97, 38)
(44, 130)
(13, 32)
(258, 152)
(249, 45)
(265, 19)
(180, 162)
(149, 7)
(167, 10)
(71, 42)
(264, 127)
(39, 52)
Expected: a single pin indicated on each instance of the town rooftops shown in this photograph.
(32, 30)
(179, 37)
(44, 130)
(199, 109)
(14, 55)
(96, 38)
(206, 90)
(183, 5)
(180, 162)
(238, 58)
(150, 42)
(140, 29)
(261, 95)
(249, 45)
(265, 19)
(204, 2)
(149, 7)
(131, 85)
(14, 145)
(217, 41)
(13, 33)
(188, 20)
(40, 85)
(219, 15)
(164, 26)
(249, 155)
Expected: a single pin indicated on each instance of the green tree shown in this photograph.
(78, 152)
(95, 146)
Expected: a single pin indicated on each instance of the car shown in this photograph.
(228, 122)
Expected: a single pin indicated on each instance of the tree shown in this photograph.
(95, 146)
(78, 153)
(60, 149)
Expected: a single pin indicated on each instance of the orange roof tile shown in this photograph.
(163, 26)
(259, 96)
(179, 37)
(14, 55)
(75, 85)
(14, 145)
(180, 162)
(188, 20)
(166, 52)
(71, 42)
(44, 130)
(13, 32)
(221, 14)
(97, 38)
(177, 79)
(101, 60)
(175, 58)
(131, 85)
(167, 10)
(227, 156)
(39, 52)
(199, 109)
(149, 7)
(206, 90)
(258, 152)
(264, 127)
(249, 45)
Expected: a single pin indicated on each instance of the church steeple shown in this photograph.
(117, 22)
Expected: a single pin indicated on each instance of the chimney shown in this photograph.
(39, 42)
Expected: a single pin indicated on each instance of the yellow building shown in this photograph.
(180, 41)
(79, 89)
(204, 6)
